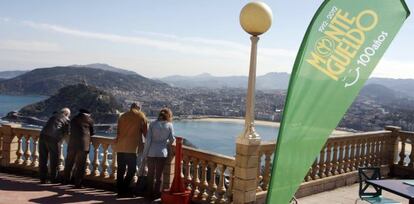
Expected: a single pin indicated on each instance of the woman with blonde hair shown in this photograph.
(160, 136)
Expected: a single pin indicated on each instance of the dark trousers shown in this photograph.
(51, 149)
(125, 160)
(155, 169)
(76, 159)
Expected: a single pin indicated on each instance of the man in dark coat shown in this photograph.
(81, 130)
(52, 133)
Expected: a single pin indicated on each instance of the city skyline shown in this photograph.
(162, 38)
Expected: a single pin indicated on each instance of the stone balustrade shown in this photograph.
(403, 155)
(211, 176)
(208, 175)
(24, 143)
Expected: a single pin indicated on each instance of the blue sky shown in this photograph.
(163, 37)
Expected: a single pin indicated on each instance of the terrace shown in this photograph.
(240, 179)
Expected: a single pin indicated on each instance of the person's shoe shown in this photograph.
(78, 186)
(54, 181)
(156, 196)
(122, 195)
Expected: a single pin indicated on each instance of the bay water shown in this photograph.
(215, 136)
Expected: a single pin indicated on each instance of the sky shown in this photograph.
(159, 38)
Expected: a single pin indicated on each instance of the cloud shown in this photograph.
(394, 69)
(4, 19)
(191, 45)
(35, 46)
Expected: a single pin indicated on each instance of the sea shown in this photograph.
(214, 136)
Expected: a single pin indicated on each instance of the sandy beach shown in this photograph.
(239, 120)
(260, 122)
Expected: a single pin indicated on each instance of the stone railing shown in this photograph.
(208, 175)
(21, 151)
(341, 156)
(403, 154)
(211, 177)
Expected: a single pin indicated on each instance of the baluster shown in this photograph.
(229, 190)
(411, 164)
(259, 175)
(266, 172)
(1, 145)
(204, 183)
(27, 153)
(315, 168)
(87, 166)
(114, 167)
(105, 163)
(19, 152)
(341, 158)
(358, 154)
(372, 151)
(212, 186)
(368, 153)
(384, 157)
(187, 173)
(221, 188)
(96, 160)
(402, 152)
(308, 175)
(61, 167)
(377, 152)
(363, 152)
(347, 159)
(328, 159)
(352, 156)
(196, 180)
(335, 163)
(35, 162)
(322, 165)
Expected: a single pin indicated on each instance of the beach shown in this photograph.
(259, 122)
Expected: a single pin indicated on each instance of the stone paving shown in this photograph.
(20, 189)
(344, 195)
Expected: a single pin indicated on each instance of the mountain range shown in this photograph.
(128, 84)
(10, 74)
(47, 81)
(272, 81)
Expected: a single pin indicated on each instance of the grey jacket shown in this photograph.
(160, 135)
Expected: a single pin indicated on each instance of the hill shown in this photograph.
(273, 80)
(47, 81)
(105, 67)
(103, 106)
(405, 86)
(11, 74)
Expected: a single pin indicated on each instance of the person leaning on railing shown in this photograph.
(81, 130)
(52, 133)
(159, 139)
(132, 126)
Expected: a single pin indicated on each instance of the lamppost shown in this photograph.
(255, 19)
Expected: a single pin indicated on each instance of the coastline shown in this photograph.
(235, 120)
(257, 122)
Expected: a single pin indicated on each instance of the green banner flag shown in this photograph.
(343, 43)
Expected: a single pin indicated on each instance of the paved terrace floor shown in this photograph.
(344, 195)
(20, 189)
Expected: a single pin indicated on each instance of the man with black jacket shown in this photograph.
(81, 130)
(52, 133)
